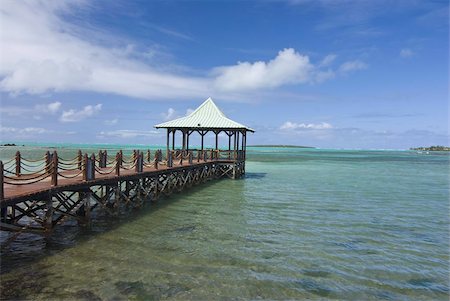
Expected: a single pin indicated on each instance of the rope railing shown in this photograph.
(23, 171)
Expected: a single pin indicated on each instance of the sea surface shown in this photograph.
(303, 224)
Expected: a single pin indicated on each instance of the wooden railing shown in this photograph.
(21, 171)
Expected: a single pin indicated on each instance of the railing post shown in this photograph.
(212, 154)
(155, 162)
(2, 195)
(80, 160)
(121, 158)
(139, 161)
(105, 158)
(18, 165)
(148, 156)
(47, 162)
(118, 164)
(92, 177)
(169, 159)
(190, 157)
(205, 155)
(133, 156)
(55, 169)
(85, 167)
(100, 158)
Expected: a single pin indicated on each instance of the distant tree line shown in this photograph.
(432, 148)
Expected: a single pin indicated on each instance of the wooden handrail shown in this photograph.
(56, 167)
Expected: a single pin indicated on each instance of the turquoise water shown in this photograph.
(302, 224)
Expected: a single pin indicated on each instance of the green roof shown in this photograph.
(206, 116)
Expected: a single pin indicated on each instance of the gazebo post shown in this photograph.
(203, 135)
(187, 140)
(168, 146)
(237, 142)
(173, 139)
(217, 139)
(234, 147)
(229, 144)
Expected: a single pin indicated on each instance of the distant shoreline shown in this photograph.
(434, 148)
(280, 145)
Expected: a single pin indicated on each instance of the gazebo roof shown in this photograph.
(206, 116)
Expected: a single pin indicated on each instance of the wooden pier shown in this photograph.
(37, 195)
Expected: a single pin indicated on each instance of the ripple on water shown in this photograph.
(313, 287)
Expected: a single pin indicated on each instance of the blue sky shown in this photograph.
(331, 74)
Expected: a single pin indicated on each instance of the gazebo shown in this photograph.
(208, 118)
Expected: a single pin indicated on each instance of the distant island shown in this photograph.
(280, 145)
(432, 148)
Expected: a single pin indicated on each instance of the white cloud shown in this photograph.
(406, 53)
(50, 108)
(288, 67)
(173, 114)
(129, 134)
(74, 115)
(23, 131)
(328, 60)
(170, 114)
(112, 121)
(309, 126)
(352, 66)
(43, 53)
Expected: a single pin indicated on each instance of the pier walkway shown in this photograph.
(37, 195)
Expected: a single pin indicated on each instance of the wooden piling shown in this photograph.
(48, 218)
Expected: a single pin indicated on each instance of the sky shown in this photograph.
(329, 74)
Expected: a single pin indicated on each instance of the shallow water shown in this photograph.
(302, 224)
